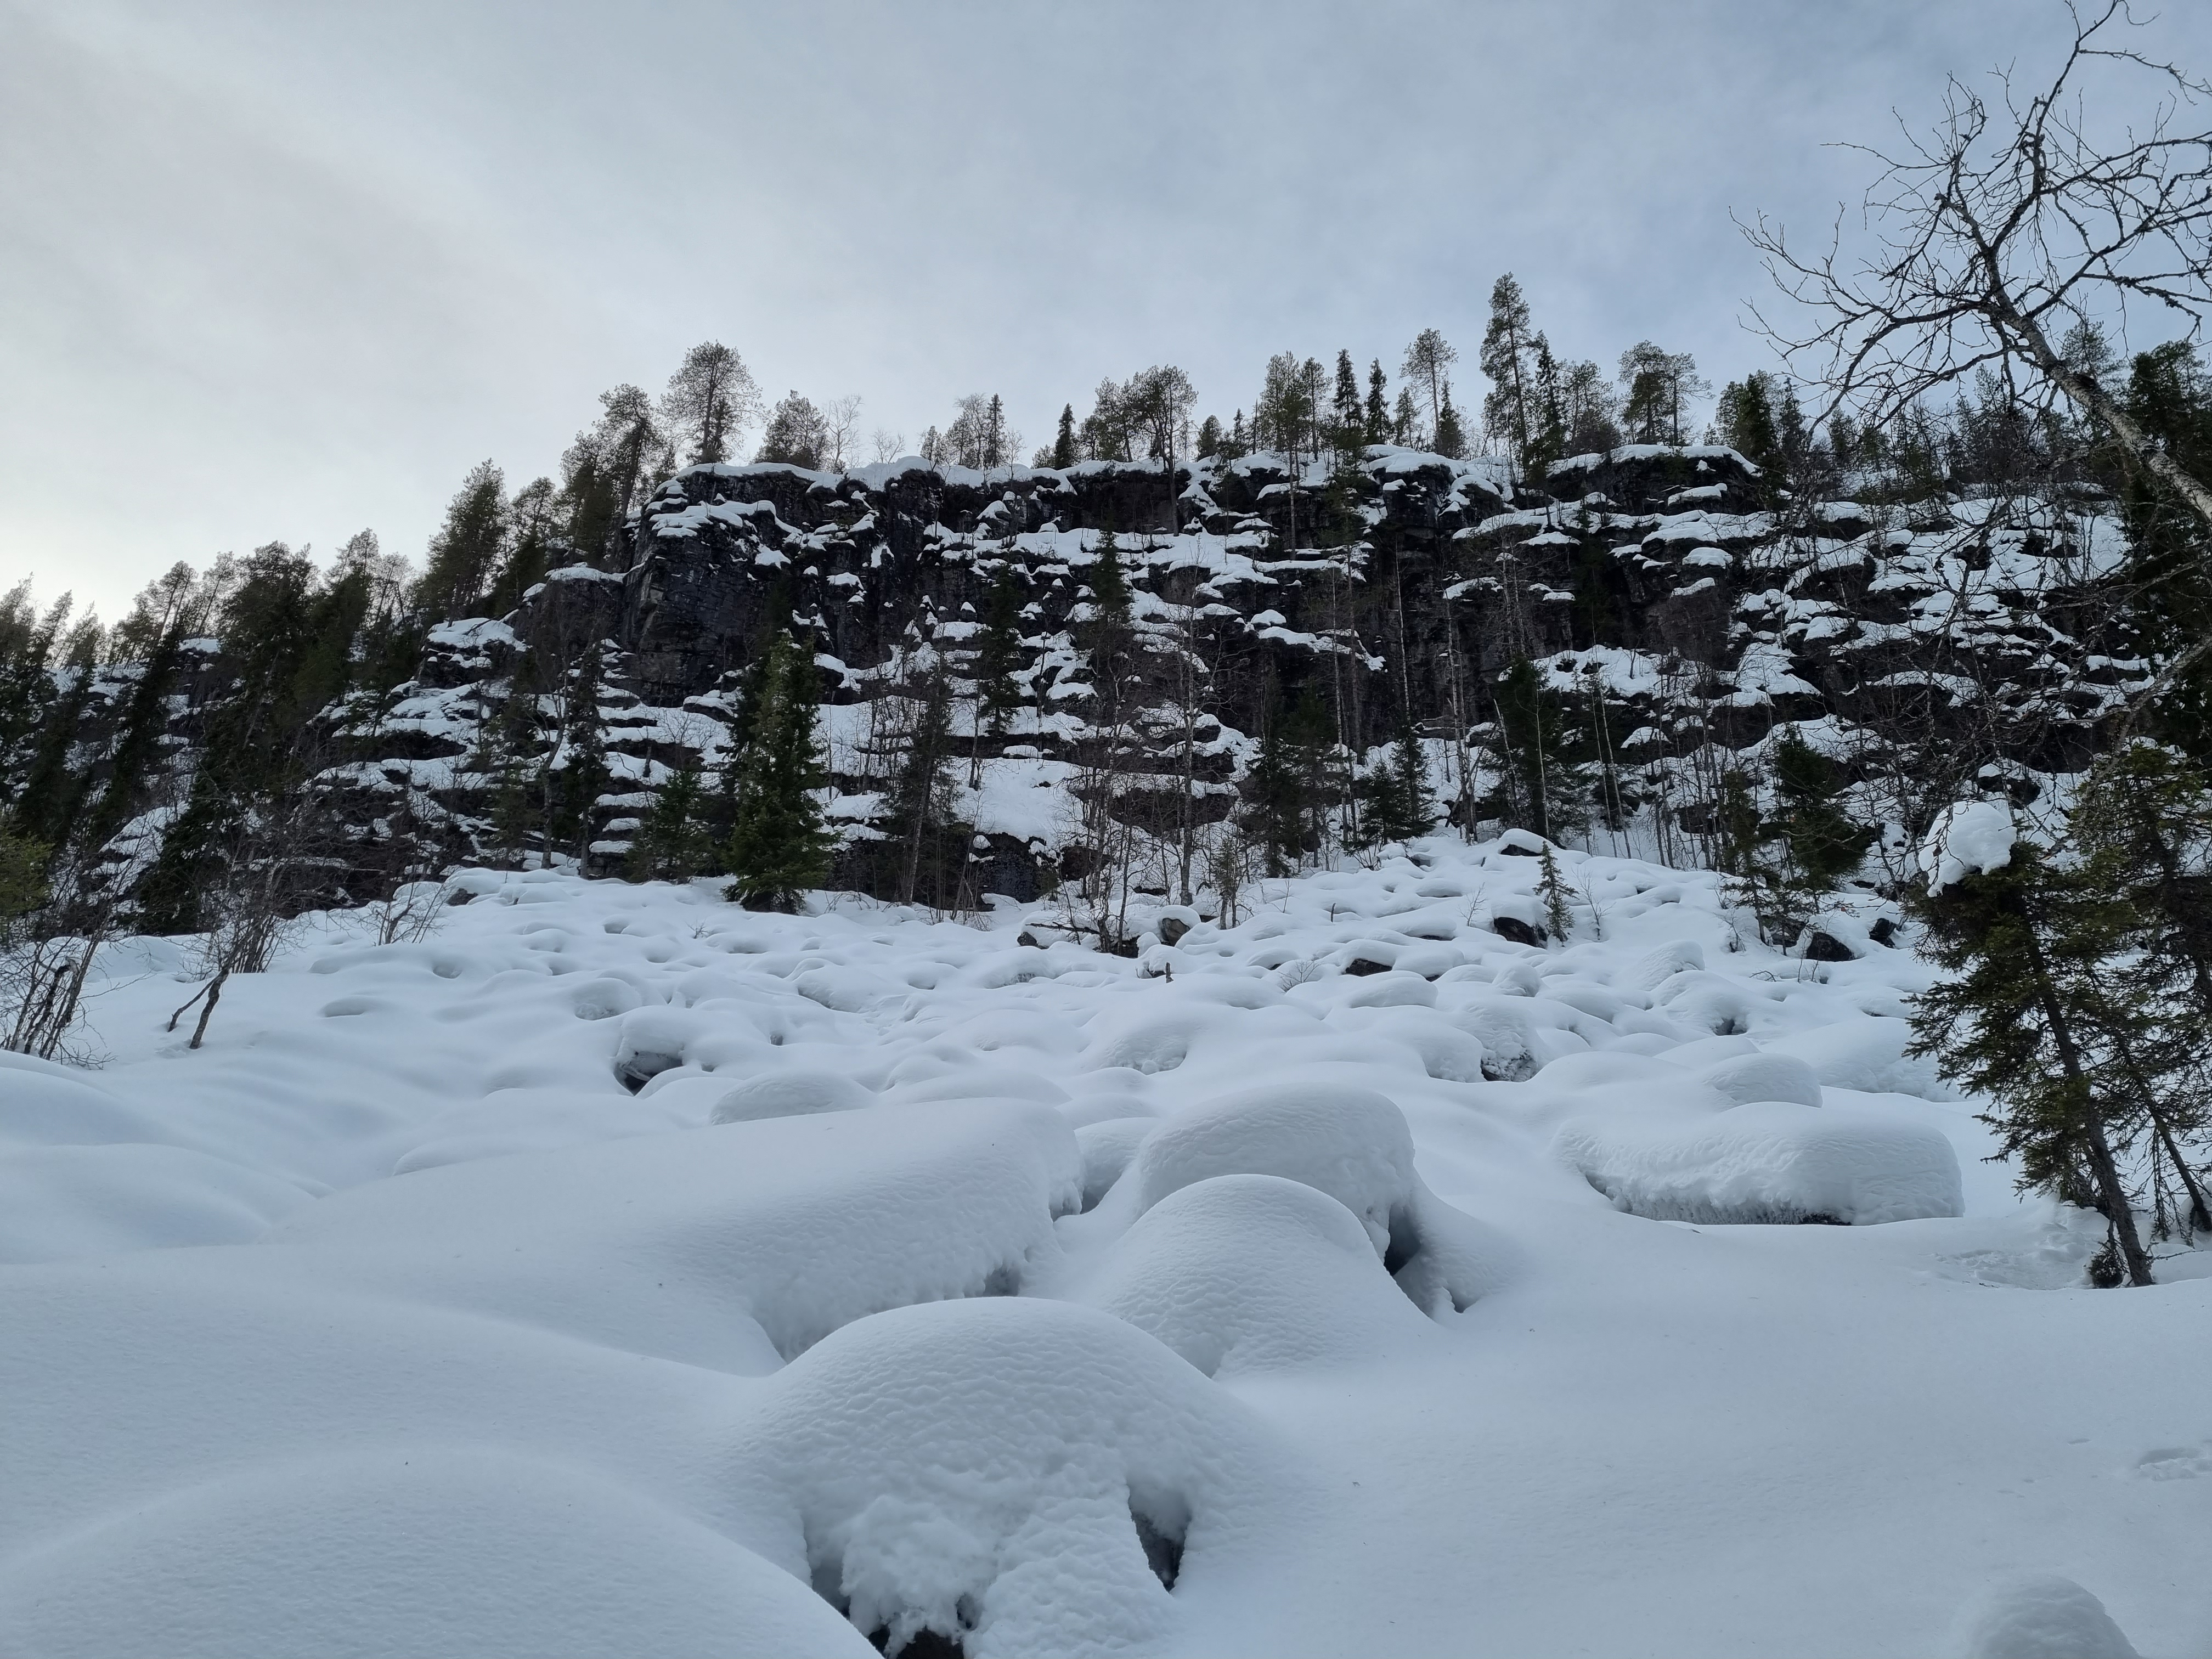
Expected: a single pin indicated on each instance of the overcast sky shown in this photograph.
(285, 271)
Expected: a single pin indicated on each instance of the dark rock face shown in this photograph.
(1657, 586)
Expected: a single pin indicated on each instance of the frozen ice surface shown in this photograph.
(617, 1270)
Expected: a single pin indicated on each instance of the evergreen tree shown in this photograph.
(1350, 420)
(1210, 438)
(1451, 442)
(1376, 414)
(1547, 435)
(929, 846)
(582, 768)
(469, 547)
(1823, 845)
(1394, 800)
(672, 842)
(2027, 947)
(2143, 823)
(998, 656)
(1508, 357)
(1552, 886)
(710, 402)
(1405, 422)
(778, 847)
(1543, 787)
(1063, 441)
(797, 435)
(1427, 362)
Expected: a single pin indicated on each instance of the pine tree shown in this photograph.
(710, 401)
(1428, 359)
(778, 847)
(2027, 948)
(1405, 420)
(1377, 412)
(1063, 442)
(1507, 357)
(469, 547)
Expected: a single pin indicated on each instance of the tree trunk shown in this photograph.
(2090, 1126)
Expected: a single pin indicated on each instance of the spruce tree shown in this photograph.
(1552, 887)
(672, 843)
(779, 846)
(1543, 786)
(1063, 441)
(1451, 442)
(998, 656)
(1377, 411)
(2029, 947)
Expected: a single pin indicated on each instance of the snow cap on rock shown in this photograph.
(1971, 837)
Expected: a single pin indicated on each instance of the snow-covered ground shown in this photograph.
(937, 1280)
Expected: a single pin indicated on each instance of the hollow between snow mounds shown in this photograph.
(1016, 1477)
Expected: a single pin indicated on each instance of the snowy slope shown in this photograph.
(616, 1271)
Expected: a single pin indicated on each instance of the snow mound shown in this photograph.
(1866, 1053)
(1351, 1143)
(56, 1202)
(1746, 1077)
(696, 1246)
(1252, 1273)
(1772, 1161)
(1021, 1477)
(2040, 1616)
(431, 1549)
(790, 1094)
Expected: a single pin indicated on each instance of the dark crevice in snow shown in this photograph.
(924, 1644)
(1162, 1550)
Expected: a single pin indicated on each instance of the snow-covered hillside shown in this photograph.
(615, 1271)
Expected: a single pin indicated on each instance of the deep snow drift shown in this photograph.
(618, 1272)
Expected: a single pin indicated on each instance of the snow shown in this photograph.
(615, 1270)
(2041, 1616)
(1972, 836)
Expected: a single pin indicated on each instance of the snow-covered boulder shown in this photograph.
(1246, 1273)
(2040, 1616)
(1019, 1476)
(1772, 1161)
(427, 1549)
(796, 1093)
